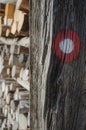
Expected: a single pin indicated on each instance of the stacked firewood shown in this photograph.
(15, 106)
(14, 87)
(14, 19)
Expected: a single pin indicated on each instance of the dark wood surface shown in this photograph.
(64, 84)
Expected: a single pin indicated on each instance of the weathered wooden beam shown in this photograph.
(61, 83)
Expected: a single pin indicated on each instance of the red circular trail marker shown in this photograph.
(67, 45)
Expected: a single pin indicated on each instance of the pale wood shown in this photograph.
(7, 32)
(5, 110)
(24, 103)
(16, 94)
(15, 125)
(17, 16)
(3, 86)
(18, 3)
(9, 97)
(28, 118)
(24, 84)
(13, 71)
(17, 114)
(8, 71)
(17, 24)
(24, 97)
(14, 27)
(22, 119)
(9, 21)
(3, 124)
(5, 20)
(12, 105)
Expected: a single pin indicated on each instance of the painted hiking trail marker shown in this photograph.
(67, 45)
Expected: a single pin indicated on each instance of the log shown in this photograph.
(0, 25)
(21, 95)
(3, 86)
(17, 115)
(14, 105)
(18, 4)
(9, 97)
(25, 42)
(9, 15)
(16, 94)
(22, 5)
(17, 24)
(22, 119)
(13, 71)
(6, 92)
(24, 84)
(28, 118)
(24, 110)
(8, 71)
(24, 74)
(3, 124)
(15, 125)
(5, 110)
(14, 27)
(7, 32)
(13, 87)
(24, 103)
(9, 121)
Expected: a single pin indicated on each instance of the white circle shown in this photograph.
(66, 46)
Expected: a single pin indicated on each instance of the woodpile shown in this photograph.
(14, 87)
(14, 19)
(14, 65)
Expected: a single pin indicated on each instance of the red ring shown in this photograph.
(67, 58)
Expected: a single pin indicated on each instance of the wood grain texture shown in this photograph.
(57, 89)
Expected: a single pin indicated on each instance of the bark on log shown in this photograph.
(57, 89)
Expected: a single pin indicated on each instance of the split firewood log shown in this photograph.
(9, 121)
(3, 124)
(0, 25)
(24, 110)
(9, 14)
(5, 110)
(17, 23)
(14, 27)
(14, 105)
(28, 118)
(9, 97)
(15, 125)
(17, 114)
(16, 94)
(24, 95)
(3, 86)
(25, 84)
(24, 104)
(23, 119)
(22, 5)
(6, 92)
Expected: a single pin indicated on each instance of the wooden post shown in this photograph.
(57, 89)
(40, 51)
